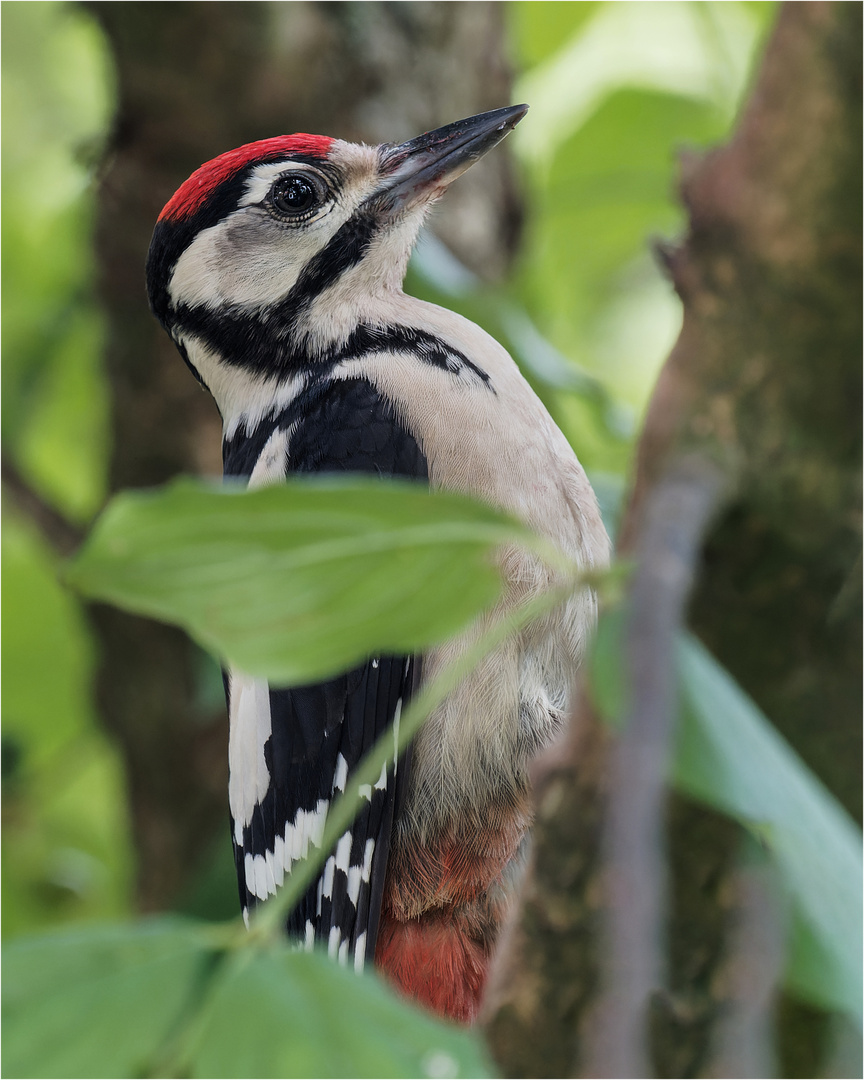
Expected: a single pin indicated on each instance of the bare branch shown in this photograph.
(676, 516)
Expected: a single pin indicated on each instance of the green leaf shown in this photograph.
(285, 1013)
(97, 1002)
(539, 30)
(731, 757)
(299, 580)
(146, 998)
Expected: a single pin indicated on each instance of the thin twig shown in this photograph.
(676, 516)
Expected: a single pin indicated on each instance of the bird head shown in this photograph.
(273, 251)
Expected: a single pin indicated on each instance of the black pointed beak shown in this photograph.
(424, 166)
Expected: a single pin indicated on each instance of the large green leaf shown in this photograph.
(299, 580)
(164, 997)
(286, 1013)
(97, 1002)
(731, 757)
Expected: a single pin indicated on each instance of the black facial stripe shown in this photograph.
(270, 343)
(345, 250)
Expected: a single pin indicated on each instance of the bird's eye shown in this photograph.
(297, 194)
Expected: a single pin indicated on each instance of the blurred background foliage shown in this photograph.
(586, 312)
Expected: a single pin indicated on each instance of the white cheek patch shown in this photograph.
(248, 260)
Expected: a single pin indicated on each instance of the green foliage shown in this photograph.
(325, 1024)
(66, 849)
(615, 90)
(56, 108)
(65, 844)
(97, 1001)
(299, 580)
(169, 998)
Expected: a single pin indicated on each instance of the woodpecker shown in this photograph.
(277, 269)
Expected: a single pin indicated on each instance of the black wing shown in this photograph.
(292, 749)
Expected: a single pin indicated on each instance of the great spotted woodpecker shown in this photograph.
(277, 269)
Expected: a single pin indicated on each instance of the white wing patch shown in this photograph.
(250, 728)
(343, 852)
(272, 463)
(329, 877)
(334, 942)
(341, 776)
(360, 952)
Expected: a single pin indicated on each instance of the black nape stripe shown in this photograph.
(368, 340)
(345, 250)
(247, 343)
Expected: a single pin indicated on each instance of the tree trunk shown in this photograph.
(759, 409)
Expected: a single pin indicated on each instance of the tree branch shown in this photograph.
(61, 534)
(676, 518)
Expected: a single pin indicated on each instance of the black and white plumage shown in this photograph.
(317, 733)
(277, 269)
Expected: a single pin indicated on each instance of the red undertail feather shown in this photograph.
(194, 192)
(443, 904)
(435, 962)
